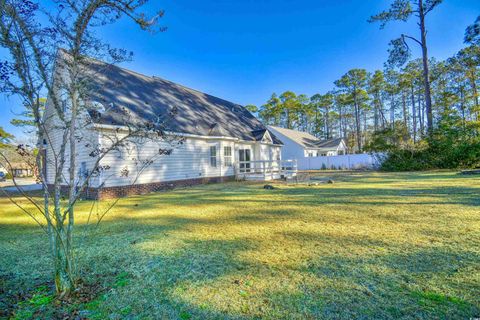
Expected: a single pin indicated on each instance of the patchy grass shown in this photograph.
(372, 245)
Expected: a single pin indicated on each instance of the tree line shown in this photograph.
(402, 106)
(362, 104)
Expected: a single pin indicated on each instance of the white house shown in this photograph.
(221, 140)
(298, 144)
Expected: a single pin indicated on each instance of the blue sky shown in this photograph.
(243, 51)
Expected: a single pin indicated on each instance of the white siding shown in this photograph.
(87, 141)
(190, 160)
(187, 161)
(276, 152)
(290, 150)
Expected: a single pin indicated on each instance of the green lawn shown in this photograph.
(372, 245)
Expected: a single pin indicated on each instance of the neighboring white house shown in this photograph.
(219, 138)
(298, 144)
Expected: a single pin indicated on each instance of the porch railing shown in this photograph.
(282, 167)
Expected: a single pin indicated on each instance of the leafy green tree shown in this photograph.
(469, 60)
(389, 139)
(327, 104)
(342, 103)
(317, 129)
(305, 113)
(403, 10)
(354, 84)
(412, 76)
(392, 91)
(5, 138)
(271, 111)
(27, 117)
(290, 107)
(472, 34)
(357, 109)
(376, 88)
(252, 108)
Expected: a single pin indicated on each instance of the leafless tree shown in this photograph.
(37, 67)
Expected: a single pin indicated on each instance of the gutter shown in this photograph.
(180, 134)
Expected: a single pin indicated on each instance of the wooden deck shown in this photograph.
(266, 170)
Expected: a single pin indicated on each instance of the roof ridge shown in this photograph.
(156, 78)
(198, 112)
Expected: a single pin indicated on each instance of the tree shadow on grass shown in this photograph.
(399, 285)
(170, 276)
(314, 196)
(180, 283)
(192, 278)
(381, 177)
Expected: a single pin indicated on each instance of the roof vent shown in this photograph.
(236, 108)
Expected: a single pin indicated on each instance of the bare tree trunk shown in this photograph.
(420, 112)
(289, 125)
(327, 123)
(462, 106)
(64, 282)
(365, 127)
(341, 120)
(72, 191)
(392, 111)
(426, 72)
(475, 94)
(382, 114)
(357, 122)
(404, 110)
(414, 115)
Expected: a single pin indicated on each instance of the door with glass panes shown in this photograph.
(244, 155)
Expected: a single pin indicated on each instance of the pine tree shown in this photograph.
(402, 10)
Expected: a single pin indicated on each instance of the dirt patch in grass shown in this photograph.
(38, 300)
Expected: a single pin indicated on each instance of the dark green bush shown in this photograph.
(453, 144)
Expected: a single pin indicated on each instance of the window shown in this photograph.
(213, 156)
(244, 160)
(83, 172)
(64, 106)
(227, 154)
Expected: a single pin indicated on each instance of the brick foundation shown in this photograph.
(136, 189)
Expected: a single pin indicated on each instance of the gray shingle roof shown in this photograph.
(148, 98)
(307, 140)
(330, 143)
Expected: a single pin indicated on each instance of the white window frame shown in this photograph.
(213, 157)
(227, 158)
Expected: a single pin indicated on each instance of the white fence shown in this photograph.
(343, 162)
